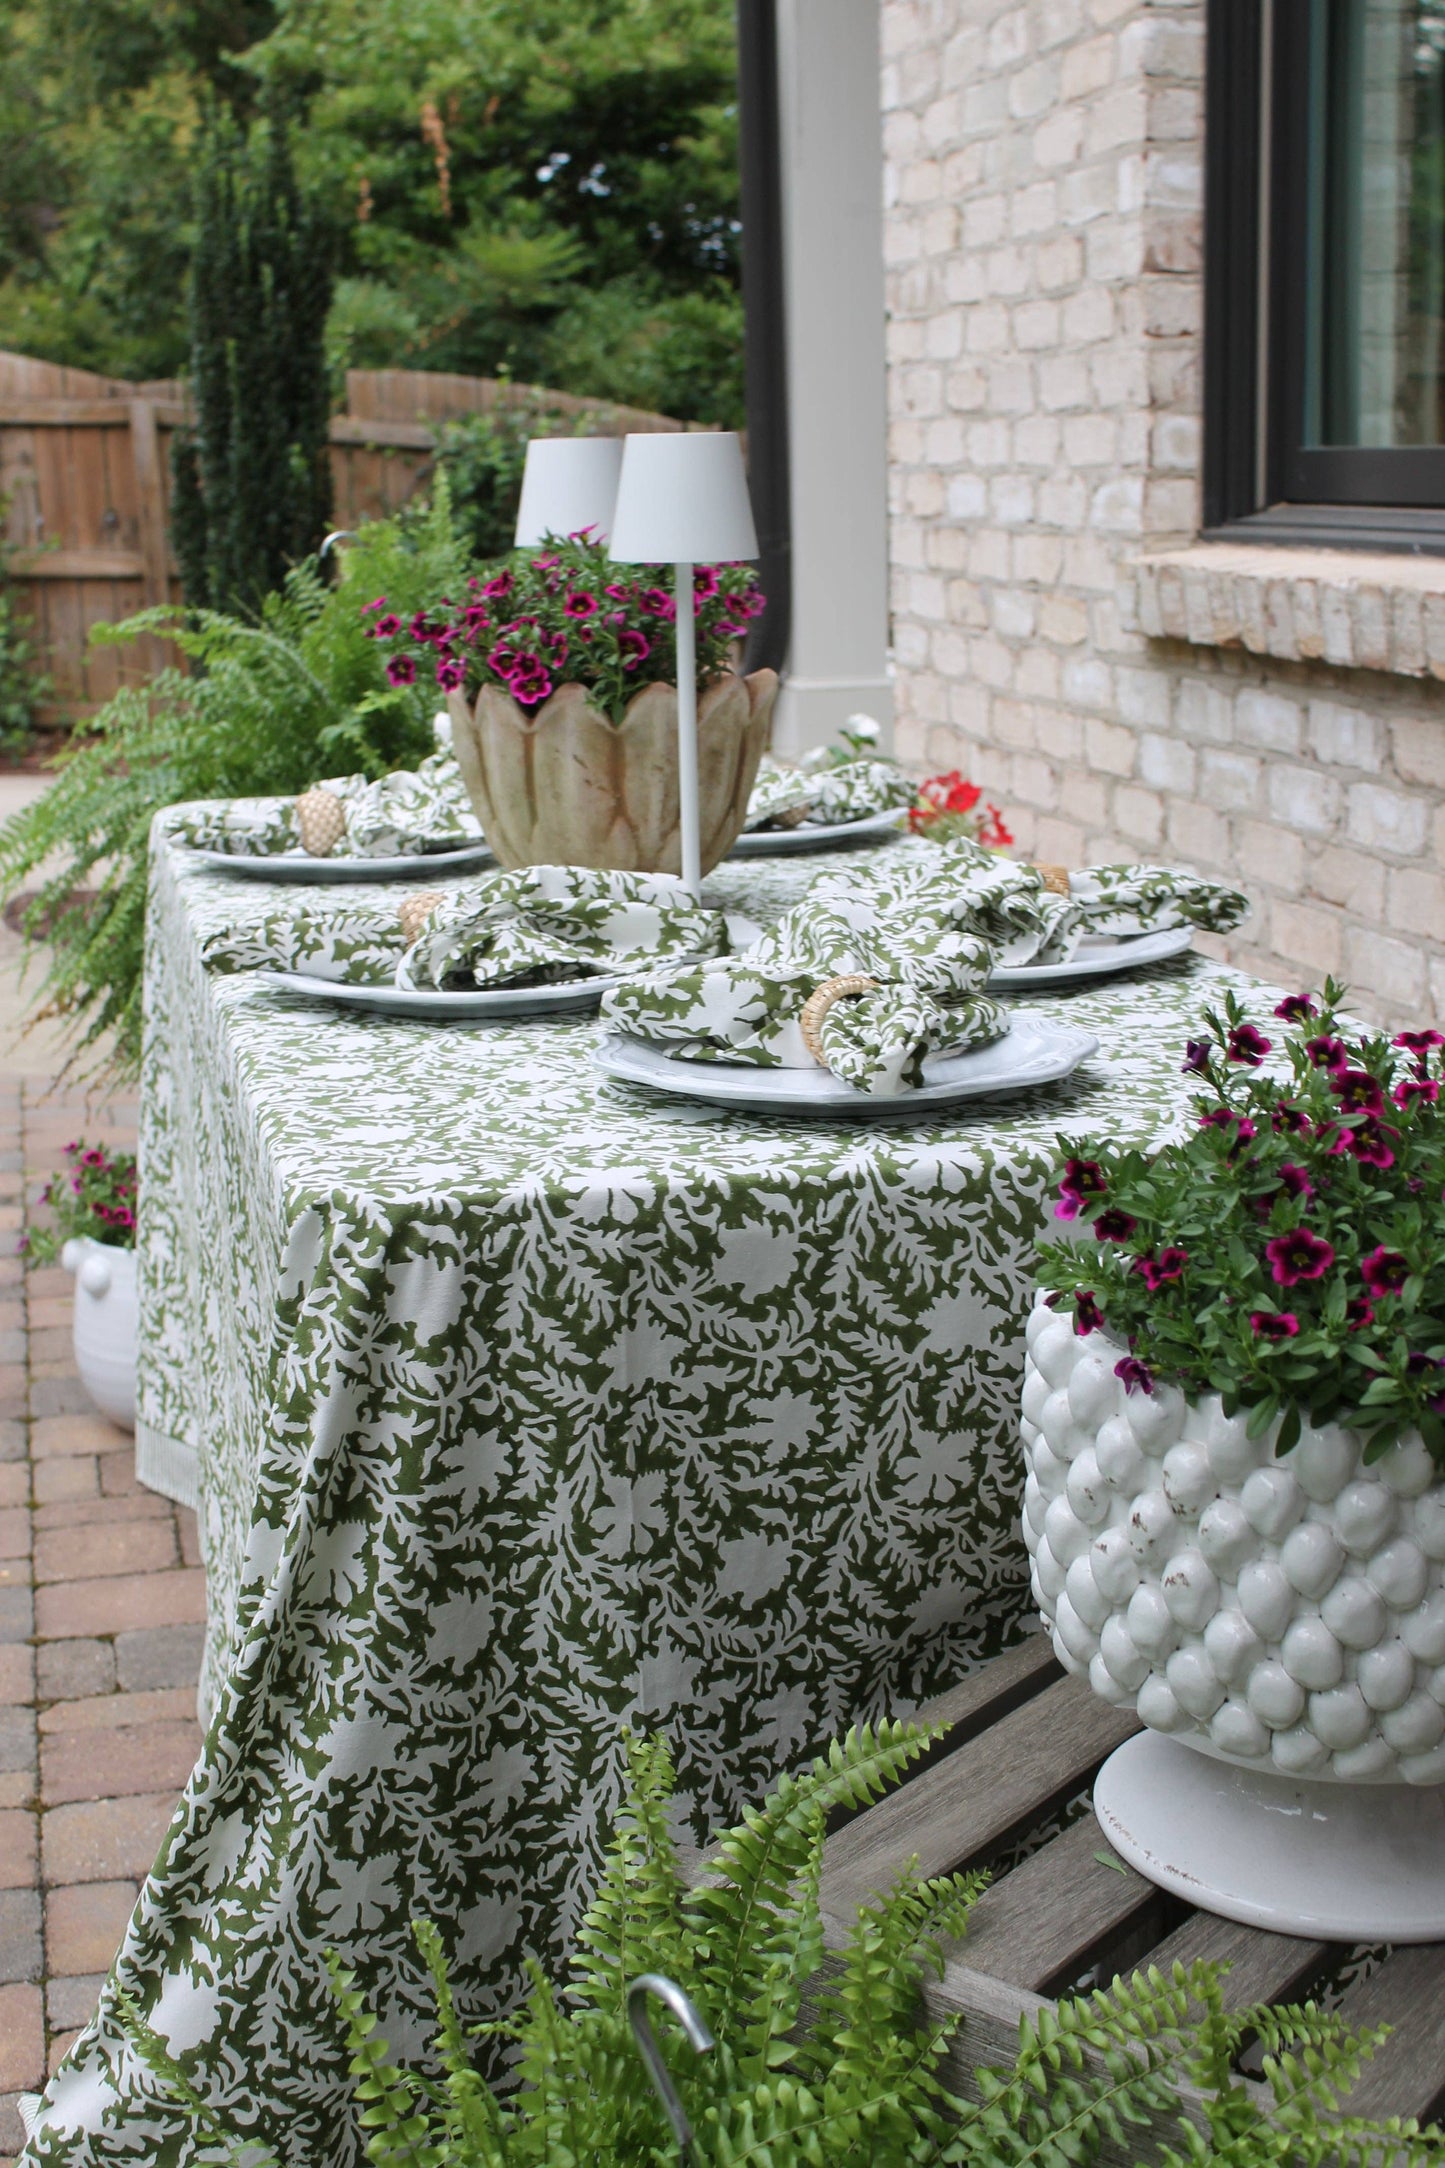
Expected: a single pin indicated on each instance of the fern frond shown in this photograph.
(470, 2113)
(398, 2133)
(633, 1924)
(158, 2059)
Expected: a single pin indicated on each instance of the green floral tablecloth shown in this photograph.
(524, 1406)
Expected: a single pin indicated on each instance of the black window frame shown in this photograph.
(1260, 482)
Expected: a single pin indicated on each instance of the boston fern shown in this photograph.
(269, 705)
(830, 2063)
(1286, 1253)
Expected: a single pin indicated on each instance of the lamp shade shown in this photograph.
(683, 499)
(568, 483)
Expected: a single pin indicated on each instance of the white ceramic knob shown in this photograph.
(1423, 1632)
(1114, 1565)
(1366, 1514)
(1311, 1559)
(1364, 1764)
(1035, 1393)
(1155, 1418)
(1416, 1726)
(1272, 1502)
(1401, 1572)
(1151, 1527)
(1053, 1351)
(1265, 1597)
(1232, 1645)
(1226, 1538)
(1189, 1481)
(1118, 1453)
(1151, 1628)
(1427, 1524)
(1075, 1635)
(1085, 1594)
(1341, 1717)
(1193, 1683)
(1233, 1454)
(70, 1256)
(1120, 1657)
(1051, 1472)
(1048, 1575)
(1386, 1675)
(1190, 1589)
(95, 1275)
(1064, 1532)
(1057, 1425)
(1093, 1391)
(1087, 1490)
(1107, 1688)
(1276, 1698)
(1355, 1613)
(1036, 1505)
(1237, 1730)
(1407, 1467)
(1311, 1654)
(1298, 1752)
(1424, 1768)
(1157, 1707)
(1324, 1460)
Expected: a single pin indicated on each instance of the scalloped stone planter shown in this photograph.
(566, 786)
(1284, 1617)
(107, 1322)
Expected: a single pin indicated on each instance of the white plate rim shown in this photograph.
(1128, 952)
(738, 1086)
(295, 866)
(785, 842)
(403, 1001)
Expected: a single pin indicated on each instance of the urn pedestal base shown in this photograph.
(1335, 1862)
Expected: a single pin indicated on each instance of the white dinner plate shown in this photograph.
(476, 1004)
(441, 1008)
(297, 866)
(1095, 958)
(1035, 1050)
(786, 842)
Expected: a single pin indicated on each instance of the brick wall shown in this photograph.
(1043, 171)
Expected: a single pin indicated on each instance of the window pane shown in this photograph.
(1375, 304)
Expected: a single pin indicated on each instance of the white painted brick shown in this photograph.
(1386, 820)
(1267, 720)
(1346, 737)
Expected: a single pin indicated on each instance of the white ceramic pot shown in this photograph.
(1283, 1616)
(106, 1321)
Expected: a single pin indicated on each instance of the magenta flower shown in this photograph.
(1359, 1312)
(1218, 1118)
(498, 587)
(1418, 1042)
(1082, 1178)
(1157, 1272)
(579, 605)
(1357, 1091)
(1137, 1376)
(401, 670)
(1298, 1255)
(618, 594)
(1247, 1045)
(1369, 1141)
(530, 687)
(1295, 1008)
(1423, 1088)
(1291, 1119)
(1197, 1054)
(1384, 1271)
(1088, 1317)
(378, 604)
(1294, 1182)
(634, 648)
(386, 628)
(657, 602)
(1112, 1225)
(705, 583)
(1327, 1053)
(422, 627)
(1273, 1324)
(451, 675)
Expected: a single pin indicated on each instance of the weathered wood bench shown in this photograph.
(1026, 1741)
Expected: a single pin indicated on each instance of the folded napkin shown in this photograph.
(900, 929)
(1031, 922)
(532, 927)
(819, 791)
(403, 815)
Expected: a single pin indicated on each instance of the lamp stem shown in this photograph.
(687, 728)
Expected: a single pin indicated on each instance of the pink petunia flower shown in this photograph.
(1298, 1255)
(1273, 1324)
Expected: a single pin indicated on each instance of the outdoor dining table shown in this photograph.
(522, 1406)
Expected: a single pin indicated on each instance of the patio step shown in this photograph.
(1008, 1789)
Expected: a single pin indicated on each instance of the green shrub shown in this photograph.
(482, 457)
(273, 704)
(23, 685)
(836, 2066)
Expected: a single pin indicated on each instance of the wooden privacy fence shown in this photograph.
(85, 469)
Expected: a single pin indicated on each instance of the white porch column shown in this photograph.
(832, 175)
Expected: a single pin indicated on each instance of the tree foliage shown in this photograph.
(543, 188)
(253, 481)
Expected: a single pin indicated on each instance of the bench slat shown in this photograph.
(1407, 2074)
(1043, 1923)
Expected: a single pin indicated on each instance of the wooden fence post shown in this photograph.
(150, 497)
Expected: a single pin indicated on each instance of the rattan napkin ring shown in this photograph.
(1056, 878)
(414, 911)
(821, 1000)
(320, 822)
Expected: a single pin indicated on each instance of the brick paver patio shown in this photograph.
(101, 1603)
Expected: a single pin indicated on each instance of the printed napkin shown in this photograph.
(531, 927)
(898, 924)
(817, 793)
(403, 815)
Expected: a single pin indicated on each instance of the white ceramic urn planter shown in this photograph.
(106, 1321)
(1284, 1618)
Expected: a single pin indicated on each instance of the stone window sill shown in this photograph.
(1345, 607)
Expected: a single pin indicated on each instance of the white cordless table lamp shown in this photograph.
(683, 500)
(569, 484)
